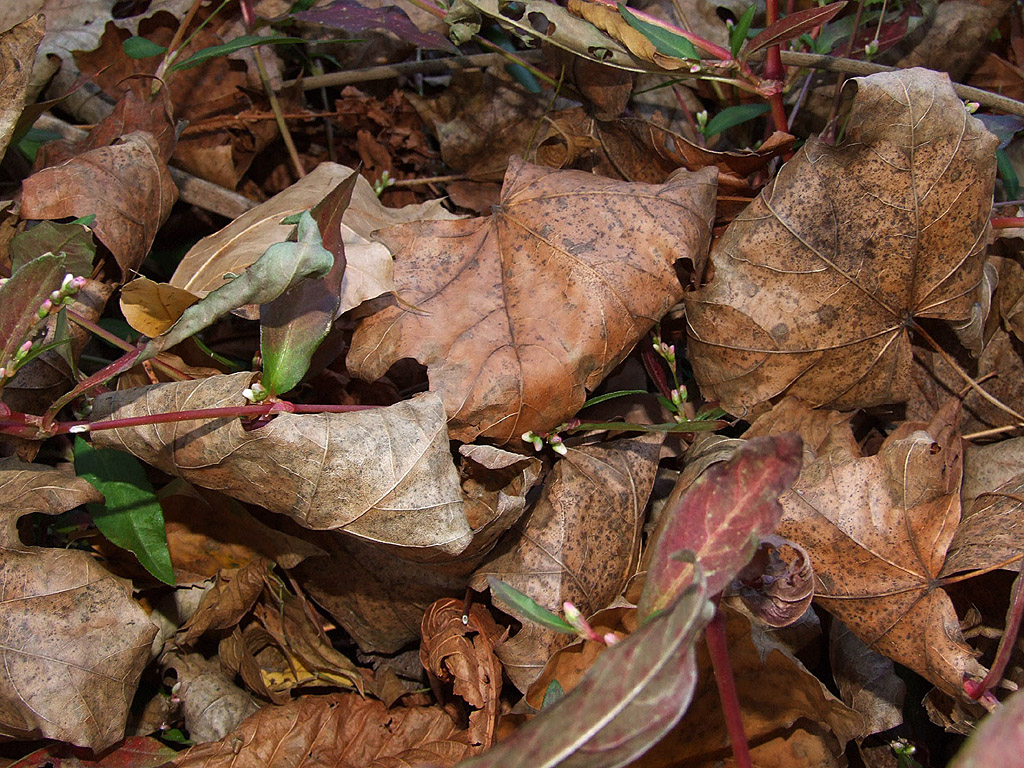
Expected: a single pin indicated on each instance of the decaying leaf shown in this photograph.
(463, 654)
(892, 516)
(816, 284)
(867, 680)
(17, 48)
(777, 585)
(75, 642)
(342, 730)
(517, 314)
(127, 185)
(151, 308)
(580, 542)
(385, 475)
(211, 704)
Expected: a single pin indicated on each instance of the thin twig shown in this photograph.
(275, 106)
(425, 67)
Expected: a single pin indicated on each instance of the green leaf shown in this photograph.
(131, 518)
(553, 694)
(665, 41)
(75, 241)
(738, 35)
(293, 325)
(245, 41)
(280, 267)
(1011, 184)
(525, 608)
(141, 48)
(732, 116)
(612, 396)
(20, 299)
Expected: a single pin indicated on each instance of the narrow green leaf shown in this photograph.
(665, 41)
(732, 116)
(526, 608)
(612, 396)
(141, 48)
(245, 41)
(131, 518)
(738, 35)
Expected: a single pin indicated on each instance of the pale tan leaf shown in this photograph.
(74, 640)
(382, 474)
(151, 308)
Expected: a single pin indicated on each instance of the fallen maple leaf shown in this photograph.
(877, 529)
(816, 286)
(517, 314)
(74, 640)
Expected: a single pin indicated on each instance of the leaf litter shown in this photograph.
(340, 560)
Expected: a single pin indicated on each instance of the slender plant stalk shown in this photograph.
(718, 649)
(1014, 616)
(275, 105)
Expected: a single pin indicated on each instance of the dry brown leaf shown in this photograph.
(127, 185)
(382, 474)
(151, 308)
(956, 33)
(990, 533)
(580, 542)
(340, 730)
(516, 315)
(463, 654)
(17, 47)
(816, 283)
(986, 467)
(877, 529)
(867, 680)
(74, 640)
(227, 601)
(244, 240)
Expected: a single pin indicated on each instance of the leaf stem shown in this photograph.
(718, 649)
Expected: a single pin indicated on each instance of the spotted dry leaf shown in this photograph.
(517, 314)
(817, 283)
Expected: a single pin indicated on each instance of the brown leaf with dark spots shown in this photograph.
(992, 531)
(463, 654)
(816, 284)
(75, 642)
(580, 542)
(877, 529)
(127, 185)
(517, 314)
(17, 49)
(382, 474)
(340, 730)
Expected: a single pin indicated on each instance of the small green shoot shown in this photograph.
(733, 116)
(738, 32)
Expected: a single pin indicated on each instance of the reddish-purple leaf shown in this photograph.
(631, 696)
(721, 519)
(355, 18)
(133, 752)
(793, 25)
(997, 739)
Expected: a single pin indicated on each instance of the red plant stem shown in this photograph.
(718, 649)
(1014, 616)
(773, 70)
(21, 424)
(1006, 222)
(117, 341)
